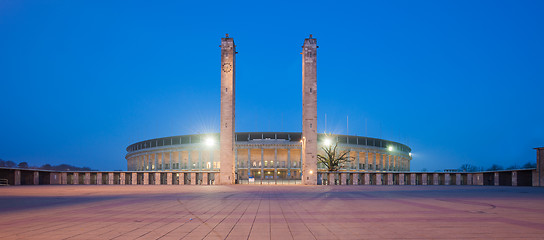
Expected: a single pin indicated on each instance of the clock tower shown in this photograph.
(226, 141)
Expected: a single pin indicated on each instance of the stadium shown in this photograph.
(264, 156)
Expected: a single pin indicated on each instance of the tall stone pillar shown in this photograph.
(309, 111)
(228, 83)
(540, 166)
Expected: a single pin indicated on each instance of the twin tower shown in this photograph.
(309, 111)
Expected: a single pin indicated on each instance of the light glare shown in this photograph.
(209, 141)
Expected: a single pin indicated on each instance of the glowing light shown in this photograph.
(327, 142)
(311, 172)
(390, 148)
(209, 141)
(410, 154)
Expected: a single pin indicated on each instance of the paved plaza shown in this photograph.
(271, 212)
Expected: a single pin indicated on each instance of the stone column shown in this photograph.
(169, 177)
(181, 178)
(389, 179)
(134, 179)
(228, 93)
(386, 162)
(413, 179)
(249, 163)
(36, 178)
(423, 179)
(366, 161)
(540, 166)
(309, 111)
(478, 179)
(157, 178)
(366, 179)
(110, 178)
(332, 177)
(75, 179)
(343, 178)
(87, 178)
(122, 178)
(355, 178)
(435, 178)
(17, 177)
(63, 178)
(447, 179)
(193, 178)
(358, 162)
(378, 179)
(469, 179)
(170, 162)
(496, 178)
(276, 164)
(146, 178)
(375, 161)
(401, 178)
(205, 178)
(189, 161)
(514, 178)
(262, 165)
(457, 179)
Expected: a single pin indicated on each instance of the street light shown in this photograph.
(390, 148)
(327, 142)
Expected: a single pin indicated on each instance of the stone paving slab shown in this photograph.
(271, 212)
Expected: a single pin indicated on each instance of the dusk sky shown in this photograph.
(458, 81)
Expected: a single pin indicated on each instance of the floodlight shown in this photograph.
(209, 141)
(327, 142)
(390, 148)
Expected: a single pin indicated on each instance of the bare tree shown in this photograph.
(333, 159)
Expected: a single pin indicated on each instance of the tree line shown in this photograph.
(61, 167)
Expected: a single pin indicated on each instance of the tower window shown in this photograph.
(310, 89)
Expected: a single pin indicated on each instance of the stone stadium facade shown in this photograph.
(263, 156)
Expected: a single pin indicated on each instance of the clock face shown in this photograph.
(227, 67)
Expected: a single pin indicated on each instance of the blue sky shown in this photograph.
(458, 81)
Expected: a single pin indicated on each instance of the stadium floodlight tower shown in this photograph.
(226, 139)
(309, 111)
